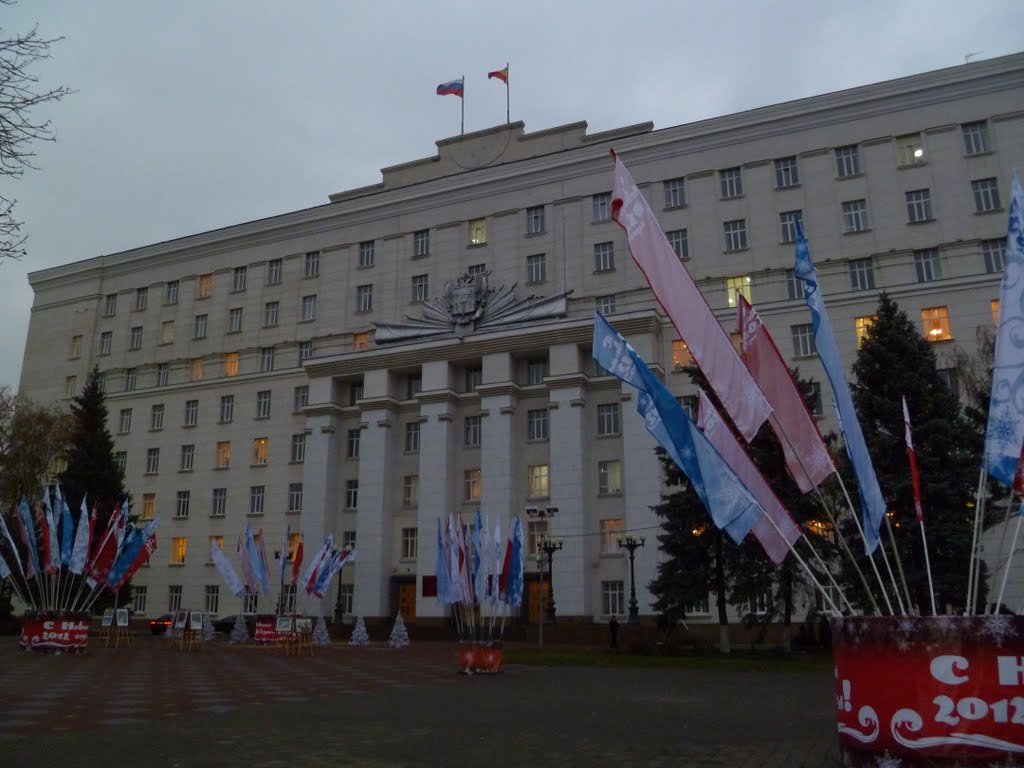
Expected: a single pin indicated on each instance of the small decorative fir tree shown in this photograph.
(240, 632)
(399, 634)
(208, 633)
(320, 634)
(359, 635)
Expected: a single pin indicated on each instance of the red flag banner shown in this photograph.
(915, 477)
(297, 561)
(804, 449)
(140, 559)
(685, 305)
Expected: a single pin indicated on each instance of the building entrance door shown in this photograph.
(533, 599)
(407, 600)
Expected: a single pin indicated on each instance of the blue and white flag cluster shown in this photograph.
(728, 501)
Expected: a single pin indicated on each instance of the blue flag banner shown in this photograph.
(26, 519)
(1004, 436)
(478, 549)
(514, 589)
(255, 561)
(441, 568)
(131, 555)
(872, 505)
(67, 529)
(728, 501)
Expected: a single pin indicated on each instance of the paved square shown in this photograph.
(156, 706)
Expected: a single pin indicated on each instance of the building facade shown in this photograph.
(421, 347)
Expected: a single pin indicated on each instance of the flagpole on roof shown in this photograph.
(508, 118)
(462, 127)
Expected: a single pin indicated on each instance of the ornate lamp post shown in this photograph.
(543, 513)
(549, 546)
(631, 544)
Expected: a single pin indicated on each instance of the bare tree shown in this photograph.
(20, 128)
(32, 438)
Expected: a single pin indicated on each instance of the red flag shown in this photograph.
(107, 552)
(685, 305)
(140, 559)
(30, 567)
(46, 562)
(506, 569)
(915, 478)
(804, 449)
(297, 561)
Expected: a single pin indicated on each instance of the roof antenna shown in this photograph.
(967, 57)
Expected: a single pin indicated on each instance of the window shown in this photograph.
(125, 421)
(260, 449)
(219, 505)
(536, 268)
(795, 287)
(471, 485)
(166, 331)
(101, 382)
(227, 409)
(305, 350)
(141, 298)
(298, 447)
(975, 137)
(675, 192)
(477, 231)
(605, 304)
(786, 173)
(409, 543)
(732, 182)
(474, 378)
(814, 404)
(135, 338)
(230, 364)
(847, 161)
(681, 356)
(148, 506)
(174, 598)
(862, 274)
(171, 292)
(352, 442)
(421, 243)
(909, 150)
(803, 340)
(76, 348)
(477, 269)
(251, 600)
(348, 539)
(300, 398)
(855, 216)
(211, 598)
(196, 369)
(986, 195)
(537, 424)
(935, 321)
(680, 242)
(609, 478)
(928, 265)
(366, 253)
(861, 326)
(360, 341)
(121, 458)
(235, 320)
(537, 481)
(311, 266)
(602, 206)
(994, 252)
(204, 287)
(238, 278)
(263, 404)
(294, 506)
(364, 298)
(271, 310)
(608, 419)
(736, 287)
(355, 393)
(152, 461)
(351, 494)
(346, 593)
(138, 599)
(163, 374)
(535, 220)
(419, 287)
(223, 456)
(183, 504)
(604, 257)
(613, 598)
(471, 432)
(274, 269)
(761, 603)
(110, 305)
(919, 205)
(790, 222)
(994, 306)
(412, 437)
(536, 530)
(186, 458)
(410, 490)
(611, 529)
(266, 359)
(413, 385)
(257, 496)
(735, 235)
(536, 370)
(106, 342)
(179, 547)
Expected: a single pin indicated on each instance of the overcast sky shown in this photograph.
(194, 115)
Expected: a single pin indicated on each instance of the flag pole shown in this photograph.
(508, 118)
(1002, 536)
(899, 567)
(871, 558)
(928, 567)
(1009, 559)
(462, 126)
(972, 574)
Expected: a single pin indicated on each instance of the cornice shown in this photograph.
(447, 396)
(323, 409)
(498, 389)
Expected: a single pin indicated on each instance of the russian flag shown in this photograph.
(451, 88)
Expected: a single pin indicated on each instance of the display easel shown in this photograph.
(302, 638)
(180, 629)
(106, 626)
(121, 630)
(192, 637)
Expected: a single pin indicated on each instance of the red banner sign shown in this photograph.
(924, 688)
(39, 634)
(266, 631)
(479, 658)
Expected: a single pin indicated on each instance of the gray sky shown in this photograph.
(194, 115)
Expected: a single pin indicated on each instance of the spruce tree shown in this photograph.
(895, 361)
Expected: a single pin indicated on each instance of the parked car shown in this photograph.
(226, 623)
(160, 624)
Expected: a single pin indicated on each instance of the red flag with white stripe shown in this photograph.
(915, 477)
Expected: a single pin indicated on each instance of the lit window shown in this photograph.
(732, 182)
(204, 287)
(909, 150)
(360, 341)
(681, 356)
(821, 528)
(148, 506)
(535, 220)
(986, 195)
(179, 546)
(167, 332)
(260, 449)
(862, 326)
(736, 287)
(366, 253)
(230, 363)
(602, 206)
(935, 321)
(786, 173)
(847, 161)
(223, 454)
(609, 477)
(311, 266)
(975, 137)
(196, 369)
(735, 235)
(477, 231)
(994, 305)
(364, 298)
(410, 491)
(675, 192)
(611, 529)
(803, 340)
(238, 279)
(919, 205)
(537, 481)
(471, 485)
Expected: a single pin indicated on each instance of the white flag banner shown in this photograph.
(220, 562)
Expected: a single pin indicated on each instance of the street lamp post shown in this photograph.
(542, 513)
(631, 544)
(549, 546)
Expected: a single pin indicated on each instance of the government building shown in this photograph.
(421, 347)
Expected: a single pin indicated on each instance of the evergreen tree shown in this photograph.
(399, 634)
(359, 635)
(320, 633)
(895, 361)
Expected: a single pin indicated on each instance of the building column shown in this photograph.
(501, 496)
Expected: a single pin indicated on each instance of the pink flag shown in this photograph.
(915, 477)
(685, 305)
(806, 455)
(775, 544)
(248, 575)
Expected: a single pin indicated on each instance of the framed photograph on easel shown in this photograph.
(122, 617)
(284, 624)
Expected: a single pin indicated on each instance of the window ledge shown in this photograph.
(858, 175)
(733, 197)
(990, 211)
(150, 474)
(536, 234)
(536, 282)
(254, 514)
(420, 256)
(538, 440)
(856, 231)
(612, 554)
(297, 461)
(221, 469)
(365, 266)
(261, 466)
(293, 512)
(737, 250)
(609, 436)
(476, 245)
(603, 271)
(185, 471)
(905, 166)
(307, 320)
(176, 565)
(260, 418)
(215, 516)
(788, 186)
(982, 153)
(609, 494)
(921, 221)
(675, 207)
(189, 426)
(601, 221)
